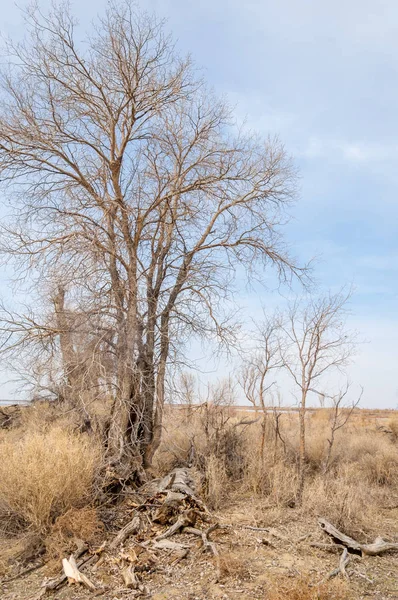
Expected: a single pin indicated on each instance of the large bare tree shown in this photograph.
(135, 197)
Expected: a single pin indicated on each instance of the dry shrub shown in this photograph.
(380, 468)
(44, 474)
(273, 478)
(176, 441)
(218, 446)
(215, 482)
(234, 567)
(304, 589)
(316, 445)
(393, 425)
(22, 548)
(363, 469)
(76, 524)
(346, 504)
(374, 454)
(283, 484)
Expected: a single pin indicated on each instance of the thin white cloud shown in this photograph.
(386, 262)
(350, 151)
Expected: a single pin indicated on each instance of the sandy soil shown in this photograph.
(253, 564)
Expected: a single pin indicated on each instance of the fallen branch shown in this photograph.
(132, 527)
(55, 584)
(168, 545)
(74, 575)
(187, 519)
(379, 546)
(344, 560)
(207, 543)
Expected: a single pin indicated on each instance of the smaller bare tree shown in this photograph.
(314, 342)
(187, 392)
(257, 369)
(276, 426)
(340, 413)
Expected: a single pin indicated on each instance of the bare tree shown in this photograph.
(134, 191)
(340, 414)
(257, 369)
(315, 342)
(276, 417)
(187, 391)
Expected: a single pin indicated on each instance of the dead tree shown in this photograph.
(314, 342)
(131, 188)
(340, 414)
(256, 371)
(187, 393)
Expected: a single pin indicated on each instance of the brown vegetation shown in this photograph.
(43, 475)
(47, 486)
(362, 478)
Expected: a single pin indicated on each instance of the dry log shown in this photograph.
(132, 527)
(338, 535)
(379, 546)
(74, 575)
(179, 480)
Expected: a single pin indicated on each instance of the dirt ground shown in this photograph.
(263, 555)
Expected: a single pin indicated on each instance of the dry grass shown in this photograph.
(304, 589)
(47, 474)
(234, 567)
(362, 476)
(43, 474)
(75, 525)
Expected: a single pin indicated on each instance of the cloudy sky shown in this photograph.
(323, 77)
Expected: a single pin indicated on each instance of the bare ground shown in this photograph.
(273, 564)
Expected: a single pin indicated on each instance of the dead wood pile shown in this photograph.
(168, 507)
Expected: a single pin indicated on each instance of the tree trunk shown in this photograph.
(70, 367)
(263, 434)
(123, 440)
(302, 452)
(156, 431)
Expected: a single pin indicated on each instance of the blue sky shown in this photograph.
(323, 77)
